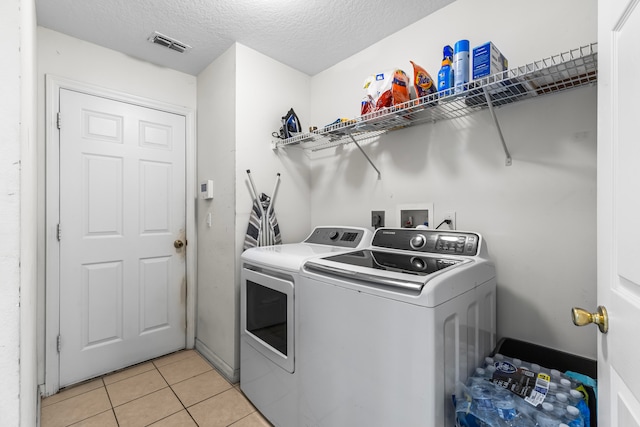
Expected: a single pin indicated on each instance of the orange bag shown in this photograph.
(422, 81)
(400, 87)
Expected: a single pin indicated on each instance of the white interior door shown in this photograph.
(122, 207)
(618, 211)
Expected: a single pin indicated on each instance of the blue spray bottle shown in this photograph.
(445, 76)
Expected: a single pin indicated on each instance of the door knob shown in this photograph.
(582, 317)
(178, 244)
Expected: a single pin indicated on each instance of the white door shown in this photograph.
(122, 207)
(618, 211)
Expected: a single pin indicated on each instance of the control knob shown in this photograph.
(333, 235)
(418, 241)
(418, 264)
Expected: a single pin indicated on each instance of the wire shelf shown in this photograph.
(575, 68)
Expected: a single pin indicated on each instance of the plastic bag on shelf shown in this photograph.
(422, 81)
(384, 90)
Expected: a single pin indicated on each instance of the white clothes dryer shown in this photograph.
(268, 317)
(386, 332)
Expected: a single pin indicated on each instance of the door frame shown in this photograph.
(53, 85)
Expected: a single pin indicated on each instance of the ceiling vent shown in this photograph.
(166, 41)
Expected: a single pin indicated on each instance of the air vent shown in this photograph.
(166, 41)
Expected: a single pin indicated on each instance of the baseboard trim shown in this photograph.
(232, 375)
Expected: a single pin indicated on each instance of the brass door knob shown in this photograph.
(178, 244)
(582, 317)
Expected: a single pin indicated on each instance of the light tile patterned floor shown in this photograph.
(178, 390)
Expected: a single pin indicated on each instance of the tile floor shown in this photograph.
(181, 389)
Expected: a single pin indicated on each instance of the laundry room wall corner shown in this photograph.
(241, 97)
(216, 250)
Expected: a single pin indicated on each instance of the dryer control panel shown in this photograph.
(345, 237)
(430, 241)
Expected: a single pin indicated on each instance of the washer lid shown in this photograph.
(414, 264)
(403, 272)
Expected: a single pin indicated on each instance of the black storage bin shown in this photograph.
(552, 359)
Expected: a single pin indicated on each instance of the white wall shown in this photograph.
(71, 58)
(18, 395)
(29, 396)
(266, 90)
(10, 103)
(241, 97)
(66, 56)
(215, 337)
(538, 216)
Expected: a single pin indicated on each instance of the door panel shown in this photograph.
(102, 292)
(122, 205)
(618, 210)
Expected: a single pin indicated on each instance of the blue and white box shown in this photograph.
(487, 60)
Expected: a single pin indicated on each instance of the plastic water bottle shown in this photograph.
(562, 398)
(547, 417)
(479, 377)
(577, 399)
(507, 410)
(504, 404)
(573, 418)
(565, 385)
(461, 65)
(482, 406)
(489, 370)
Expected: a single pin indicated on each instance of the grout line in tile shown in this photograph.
(177, 397)
(108, 395)
(71, 396)
(133, 376)
(240, 419)
(94, 415)
(183, 408)
(140, 397)
(193, 354)
(124, 370)
(104, 385)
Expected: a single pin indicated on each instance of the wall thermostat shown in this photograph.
(206, 189)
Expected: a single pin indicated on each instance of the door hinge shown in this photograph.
(59, 232)
(59, 343)
(59, 120)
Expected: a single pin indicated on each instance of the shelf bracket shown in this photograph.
(365, 155)
(508, 160)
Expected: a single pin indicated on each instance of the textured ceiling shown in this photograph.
(308, 35)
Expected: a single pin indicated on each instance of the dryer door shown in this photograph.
(267, 320)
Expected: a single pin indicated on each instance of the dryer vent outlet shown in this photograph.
(377, 219)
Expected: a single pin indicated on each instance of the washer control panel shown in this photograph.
(431, 241)
(345, 237)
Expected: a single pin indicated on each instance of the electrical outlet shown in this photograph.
(377, 219)
(451, 216)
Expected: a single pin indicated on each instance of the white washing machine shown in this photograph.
(268, 317)
(386, 332)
